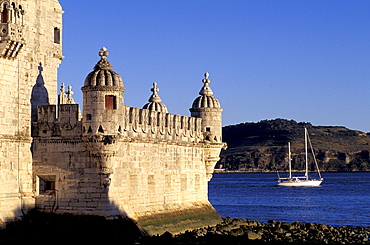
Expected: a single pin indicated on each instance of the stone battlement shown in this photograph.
(137, 124)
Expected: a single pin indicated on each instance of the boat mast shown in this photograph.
(290, 161)
(313, 155)
(305, 141)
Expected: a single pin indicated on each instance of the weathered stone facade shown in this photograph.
(29, 58)
(111, 159)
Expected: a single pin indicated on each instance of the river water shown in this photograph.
(342, 199)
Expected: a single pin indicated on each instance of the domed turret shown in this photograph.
(208, 108)
(155, 101)
(103, 98)
(103, 74)
(206, 100)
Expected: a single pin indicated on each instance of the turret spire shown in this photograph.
(103, 63)
(206, 89)
(155, 101)
(103, 53)
(65, 97)
(155, 97)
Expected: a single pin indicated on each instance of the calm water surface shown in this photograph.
(342, 199)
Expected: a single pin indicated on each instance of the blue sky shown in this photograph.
(303, 60)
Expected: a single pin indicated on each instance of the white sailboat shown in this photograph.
(301, 180)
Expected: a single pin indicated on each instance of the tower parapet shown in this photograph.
(61, 121)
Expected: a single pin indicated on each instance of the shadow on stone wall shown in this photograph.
(67, 228)
(39, 94)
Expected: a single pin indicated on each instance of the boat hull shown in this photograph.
(301, 183)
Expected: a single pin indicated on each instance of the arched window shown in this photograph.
(20, 14)
(4, 14)
(13, 14)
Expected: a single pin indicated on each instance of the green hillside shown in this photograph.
(262, 146)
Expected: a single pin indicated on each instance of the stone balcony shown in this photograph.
(11, 40)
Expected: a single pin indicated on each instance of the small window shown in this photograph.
(110, 102)
(88, 117)
(56, 35)
(49, 185)
(208, 129)
(46, 184)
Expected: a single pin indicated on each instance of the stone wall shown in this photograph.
(15, 176)
(146, 172)
(148, 181)
(29, 59)
(146, 177)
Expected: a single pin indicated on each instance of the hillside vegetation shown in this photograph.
(262, 146)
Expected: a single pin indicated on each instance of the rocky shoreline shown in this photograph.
(67, 229)
(246, 231)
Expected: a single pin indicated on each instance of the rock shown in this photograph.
(227, 220)
(322, 227)
(296, 225)
(285, 226)
(237, 232)
(276, 232)
(254, 236)
(309, 226)
(239, 222)
(279, 230)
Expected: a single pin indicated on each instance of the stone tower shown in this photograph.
(102, 108)
(103, 98)
(207, 107)
(30, 53)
